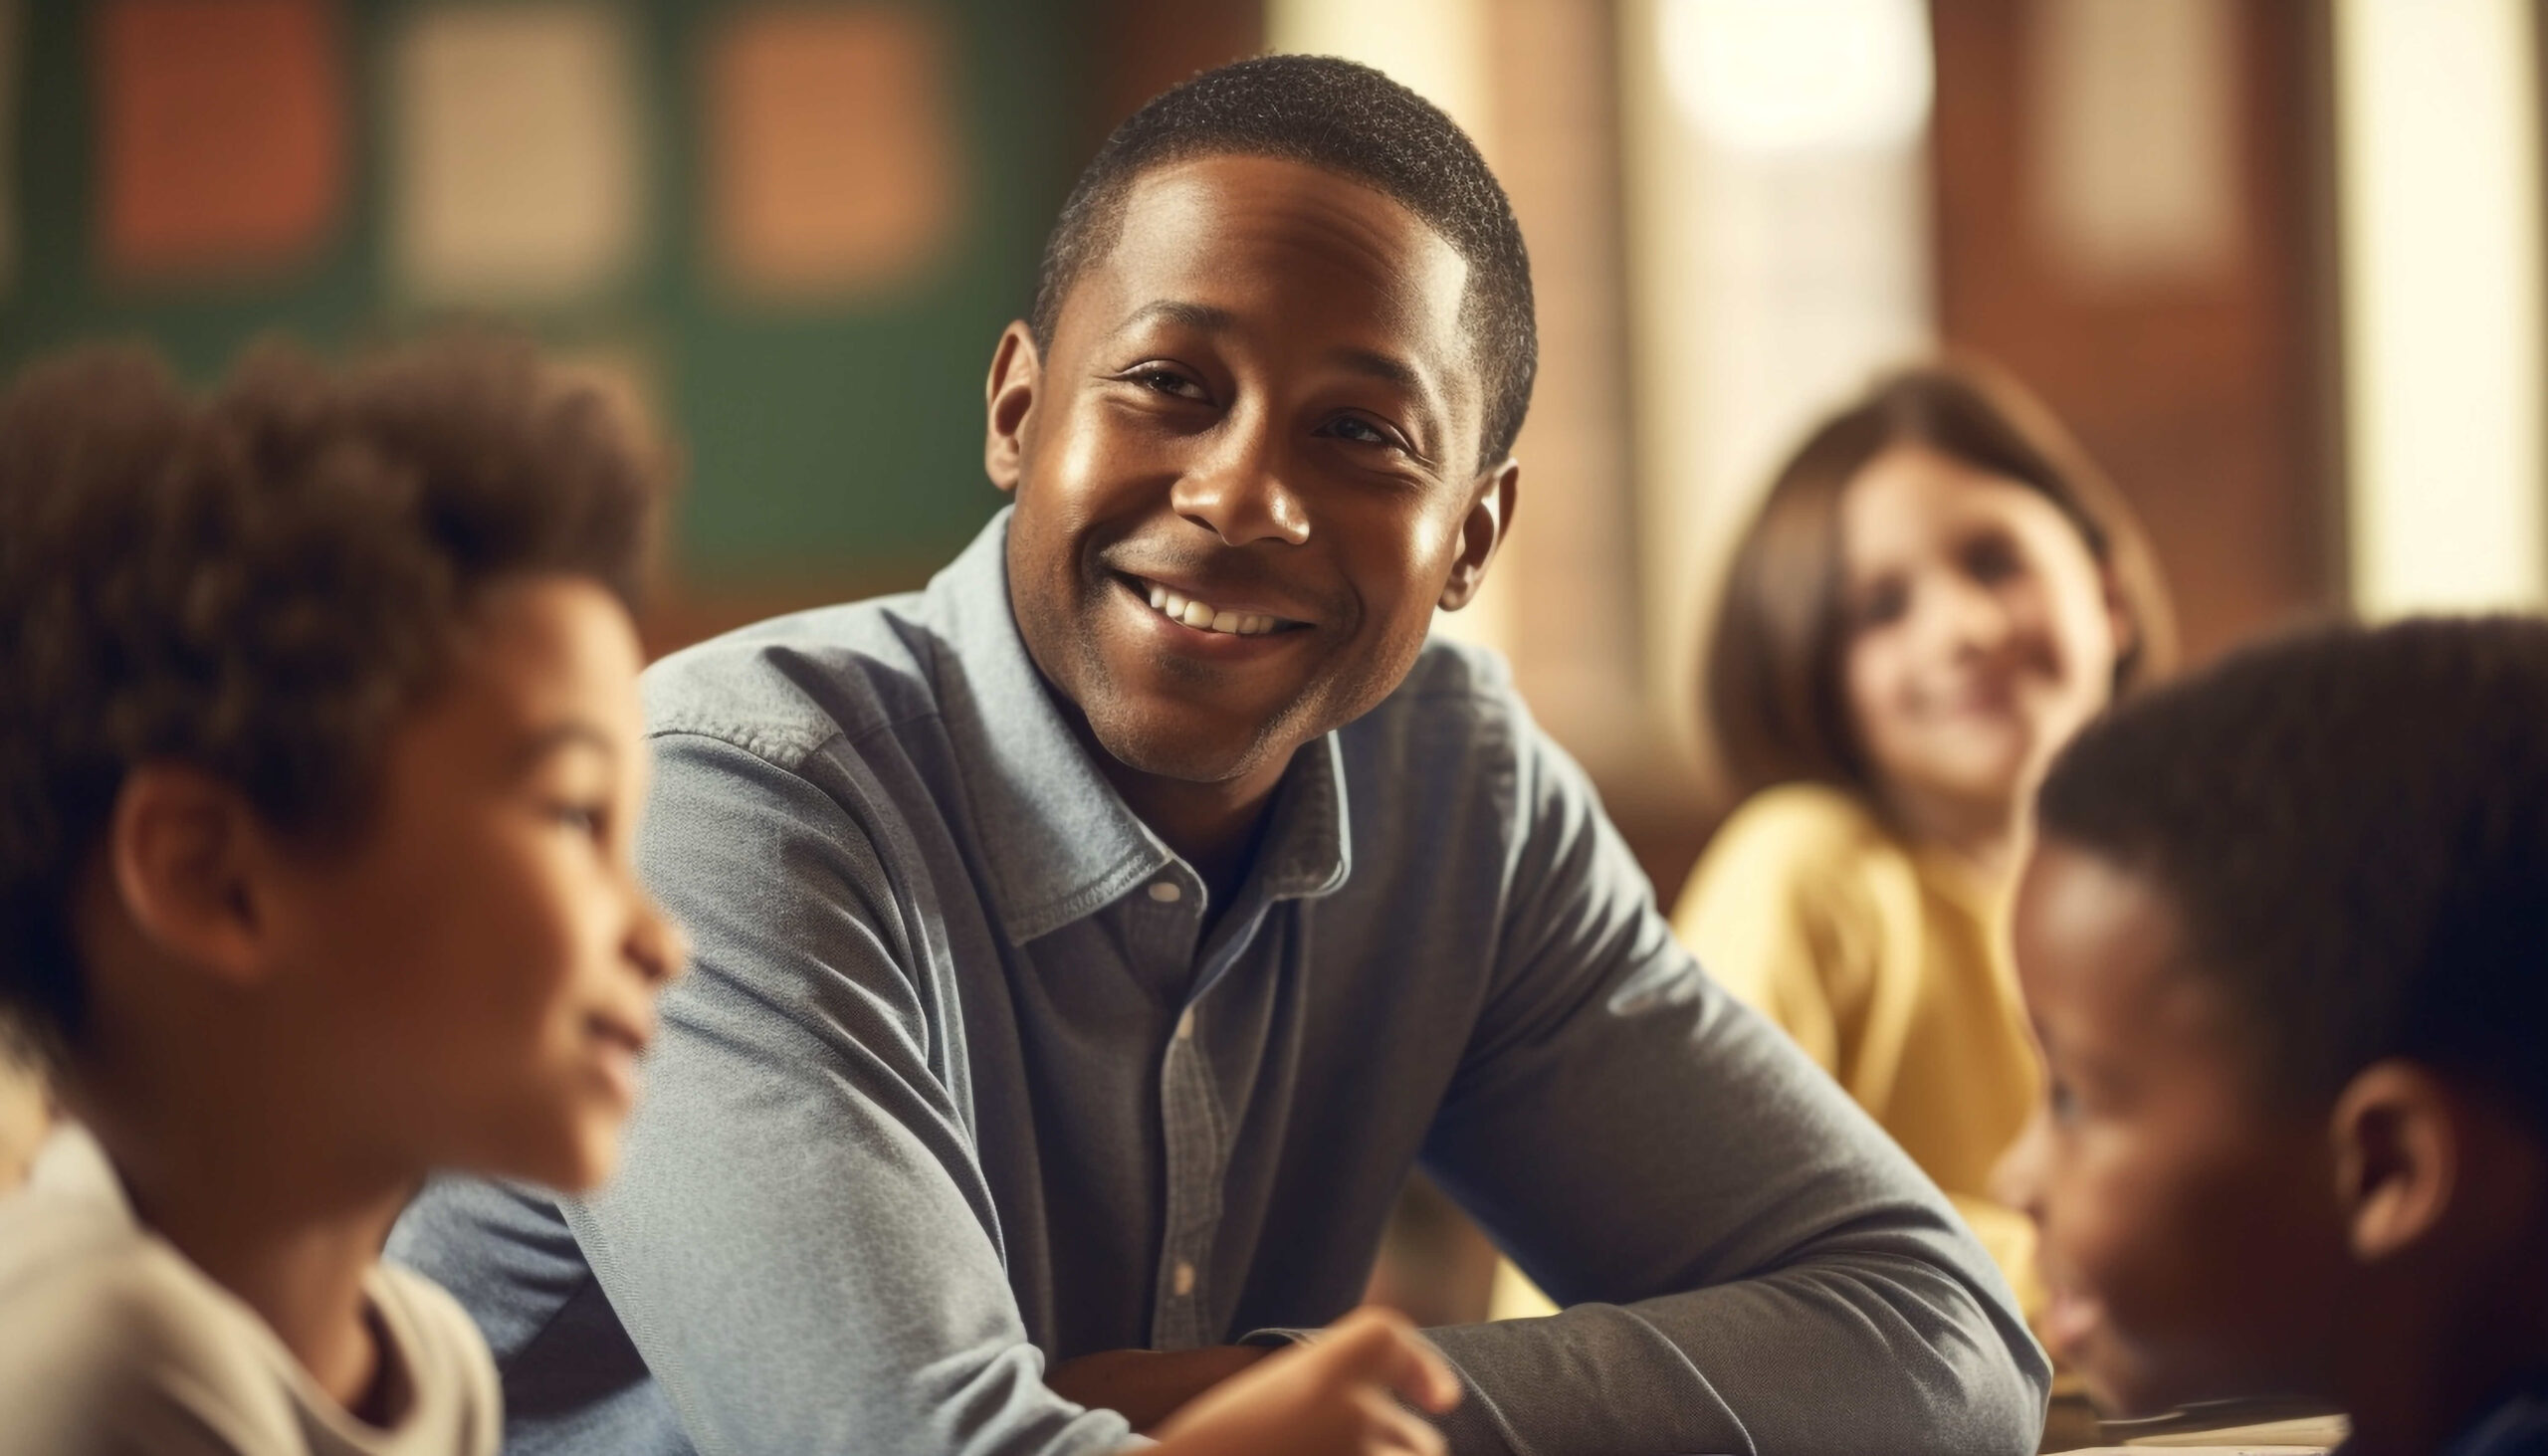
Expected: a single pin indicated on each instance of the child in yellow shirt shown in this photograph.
(1938, 592)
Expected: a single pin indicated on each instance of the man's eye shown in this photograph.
(1168, 382)
(1360, 431)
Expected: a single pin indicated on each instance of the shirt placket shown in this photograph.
(1194, 1139)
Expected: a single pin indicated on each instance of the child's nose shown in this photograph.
(657, 946)
(1968, 616)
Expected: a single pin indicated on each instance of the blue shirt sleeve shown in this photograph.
(1751, 1264)
(799, 1241)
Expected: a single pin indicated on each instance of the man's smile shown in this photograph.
(1192, 623)
(1223, 612)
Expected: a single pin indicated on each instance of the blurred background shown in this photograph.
(2277, 262)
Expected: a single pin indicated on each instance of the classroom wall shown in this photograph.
(788, 233)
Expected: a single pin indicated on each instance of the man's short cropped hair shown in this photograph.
(258, 585)
(2353, 827)
(1351, 120)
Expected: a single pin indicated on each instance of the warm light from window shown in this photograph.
(2437, 150)
(1799, 75)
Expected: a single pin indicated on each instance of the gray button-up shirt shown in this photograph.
(959, 1084)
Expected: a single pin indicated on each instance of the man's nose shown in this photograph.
(1240, 491)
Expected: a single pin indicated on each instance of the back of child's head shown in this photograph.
(2353, 828)
(1776, 706)
(258, 584)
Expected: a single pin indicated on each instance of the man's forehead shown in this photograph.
(1239, 224)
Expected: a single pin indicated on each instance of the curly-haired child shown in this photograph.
(321, 767)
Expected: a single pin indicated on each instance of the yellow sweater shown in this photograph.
(1891, 966)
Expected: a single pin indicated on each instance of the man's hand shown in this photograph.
(1147, 1386)
(1331, 1398)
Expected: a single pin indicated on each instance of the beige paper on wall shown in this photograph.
(518, 152)
(2133, 170)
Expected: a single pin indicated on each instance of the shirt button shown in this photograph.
(1166, 892)
(1184, 1278)
(1185, 1025)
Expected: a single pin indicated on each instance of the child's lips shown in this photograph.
(619, 1046)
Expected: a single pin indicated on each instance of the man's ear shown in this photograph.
(2397, 1147)
(1010, 395)
(183, 851)
(1490, 517)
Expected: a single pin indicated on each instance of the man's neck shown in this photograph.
(256, 1202)
(1216, 828)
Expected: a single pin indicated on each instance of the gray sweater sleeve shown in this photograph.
(1750, 1264)
(799, 1240)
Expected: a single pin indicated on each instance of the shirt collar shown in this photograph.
(69, 1164)
(1307, 849)
(1060, 843)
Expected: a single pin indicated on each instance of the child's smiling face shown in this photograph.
(2190, 1232)
(1982, 632)
(479, 971)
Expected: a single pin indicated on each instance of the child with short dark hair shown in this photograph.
(320, 763)
(2284, 937)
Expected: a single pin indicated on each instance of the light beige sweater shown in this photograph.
(111, 1342)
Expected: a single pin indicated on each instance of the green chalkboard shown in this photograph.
(839, 441)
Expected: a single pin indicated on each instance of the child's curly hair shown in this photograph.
(260, 583)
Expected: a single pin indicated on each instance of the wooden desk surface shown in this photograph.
(2252, 1429)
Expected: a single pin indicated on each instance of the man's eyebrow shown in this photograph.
(1201, 316)
(557, 737)
(1383, 368)
(1402, 376)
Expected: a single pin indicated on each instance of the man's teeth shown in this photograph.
(1206, 617)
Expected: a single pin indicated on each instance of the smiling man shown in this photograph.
(1088, 946)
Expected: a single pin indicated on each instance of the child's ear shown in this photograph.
(183, 851)
(1490, 517)
(2120, 621)
(2397, 1145)
(1009, 398)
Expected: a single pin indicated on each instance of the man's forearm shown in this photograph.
(1872, 1353)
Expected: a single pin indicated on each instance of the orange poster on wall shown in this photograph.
(221, 131)
(833, 163)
